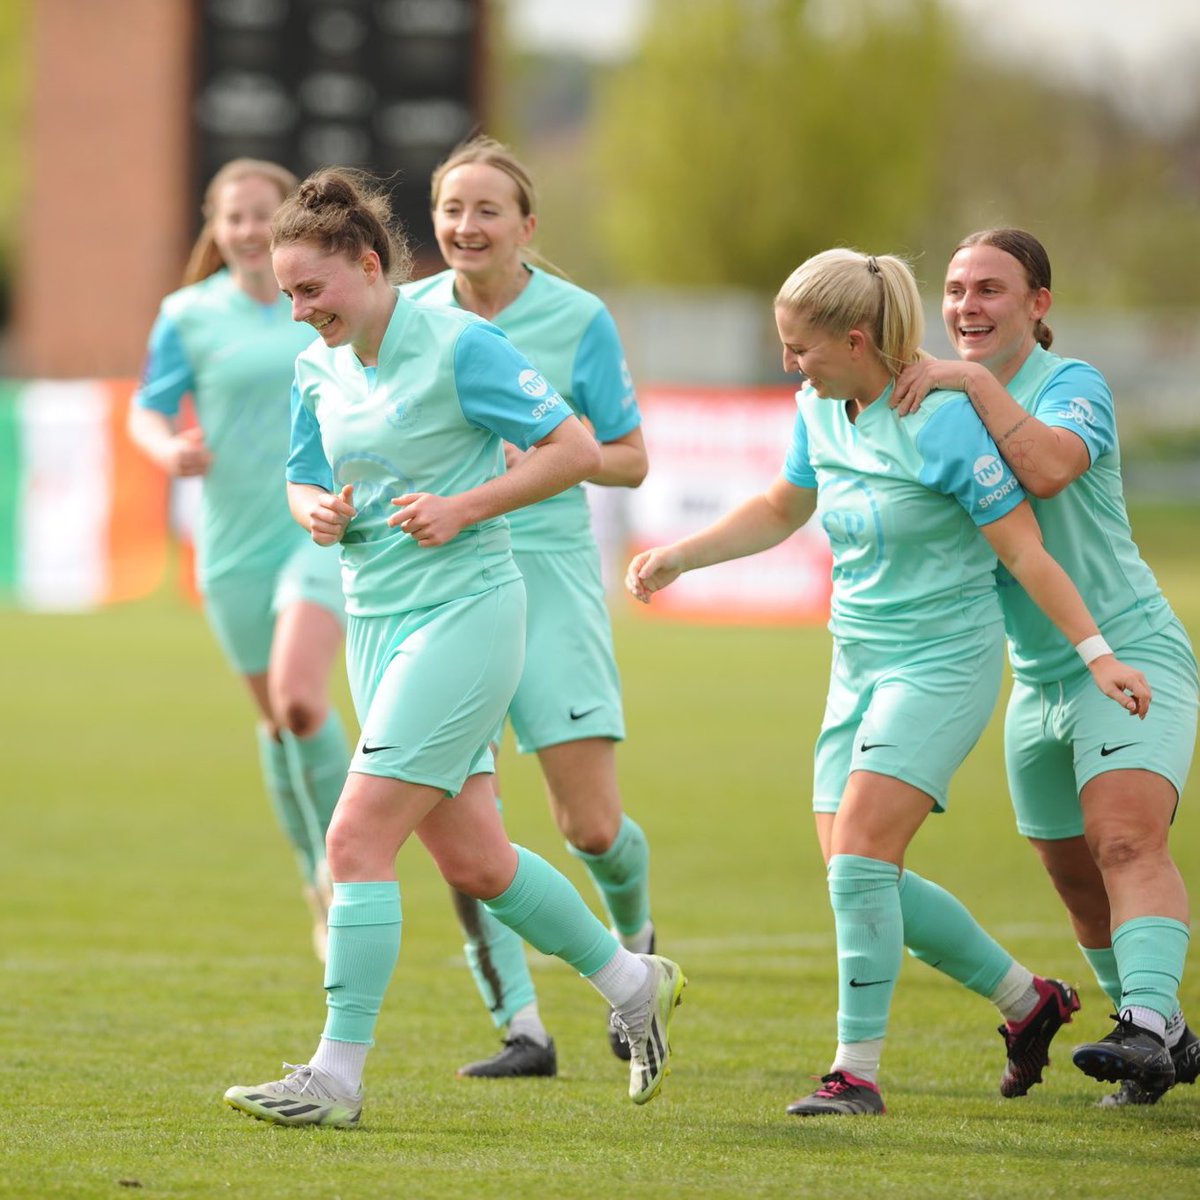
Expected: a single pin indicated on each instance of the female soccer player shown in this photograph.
(273, 598)
(399, 415)
(917, 646)
(1095, 800)
(567, 708)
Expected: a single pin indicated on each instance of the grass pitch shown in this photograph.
(155, 950)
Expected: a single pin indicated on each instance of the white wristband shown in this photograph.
(1091, 648)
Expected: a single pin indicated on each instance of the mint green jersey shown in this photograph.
(432, 417)
(1085, 527)
(901, 499)
(571, 338)
(236, 357)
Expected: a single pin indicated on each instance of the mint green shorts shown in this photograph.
(1058, 736)
(570, 688)
(431, 686)
(911, 712)
(242, 609)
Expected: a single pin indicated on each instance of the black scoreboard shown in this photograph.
(387, 85)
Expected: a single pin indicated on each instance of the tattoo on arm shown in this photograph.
(1020, 456)
(1004, 437)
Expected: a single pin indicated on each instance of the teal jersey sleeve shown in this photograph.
(960, 459)
(797, 468)
(1078, 399)
(306, 458)
(602, 387)
(499, 390)
(167, 374)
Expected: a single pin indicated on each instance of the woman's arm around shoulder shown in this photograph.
(1045, 458)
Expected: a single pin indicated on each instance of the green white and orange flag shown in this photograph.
(83, 515)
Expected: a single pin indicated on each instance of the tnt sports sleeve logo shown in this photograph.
(627, 383)
(989, 472)
(533, 383)
(1081, 411)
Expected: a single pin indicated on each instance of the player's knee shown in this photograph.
(299, 716)
(590, 829)
(352, 853)
(591, 840)
(476, 878)
(339, 854)
(1125, 848)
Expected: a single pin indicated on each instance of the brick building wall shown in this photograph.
(107, 214)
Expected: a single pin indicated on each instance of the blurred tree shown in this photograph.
(748, 134)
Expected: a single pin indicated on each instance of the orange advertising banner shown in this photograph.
(710, 449)
(82, 513)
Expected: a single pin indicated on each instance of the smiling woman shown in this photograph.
(567, 709)
(1099, 823)
(343, 294)
(399, 413)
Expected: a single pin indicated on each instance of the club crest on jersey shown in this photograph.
(1081, 411)
(403, 411)
(851, 519)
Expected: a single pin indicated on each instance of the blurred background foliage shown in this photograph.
(740, 136)
(743, 135)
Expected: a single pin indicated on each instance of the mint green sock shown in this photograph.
(291, 815)
(541, 905)
(939, 930)
(318, 766)
(1150, 953)
(1103, 962)
(865, 895)
(496, 956)
(622, 877)
(364, 943)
